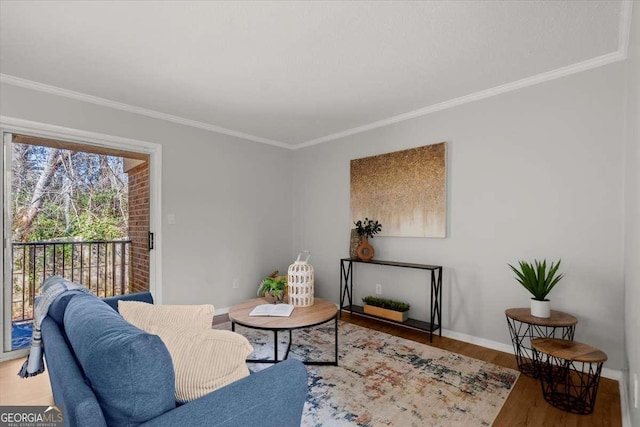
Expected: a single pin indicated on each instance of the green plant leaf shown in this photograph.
(386, 303)
(367, 227)
(538, 279)
(276, 284)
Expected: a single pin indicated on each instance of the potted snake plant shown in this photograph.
(538, 280)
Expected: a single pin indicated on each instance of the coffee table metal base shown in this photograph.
(286, 354)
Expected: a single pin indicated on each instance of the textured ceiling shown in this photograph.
(298, 72)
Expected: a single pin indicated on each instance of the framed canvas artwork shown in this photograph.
(404, 190)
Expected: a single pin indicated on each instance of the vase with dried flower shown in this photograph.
(366, 229)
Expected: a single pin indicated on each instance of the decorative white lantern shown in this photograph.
(300, 282)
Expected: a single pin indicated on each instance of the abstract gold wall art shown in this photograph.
(404, 190)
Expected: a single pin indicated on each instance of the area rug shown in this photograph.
(383, 380)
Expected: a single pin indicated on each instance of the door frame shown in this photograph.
(44, 130)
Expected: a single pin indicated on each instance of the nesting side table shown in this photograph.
(523, 327)
(569, 373)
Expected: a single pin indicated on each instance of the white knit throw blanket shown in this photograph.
(52, 288)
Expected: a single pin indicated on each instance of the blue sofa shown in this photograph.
(105, 371)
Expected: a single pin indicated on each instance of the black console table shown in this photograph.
(435, 302)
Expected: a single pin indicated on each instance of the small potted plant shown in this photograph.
(386, 308)
(539, 281)
(273, 288)
(366, 229)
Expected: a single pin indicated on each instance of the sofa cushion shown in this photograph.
(130, 371)
(204, 360)
(136, 296)
(145, 315)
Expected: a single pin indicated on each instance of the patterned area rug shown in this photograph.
(384, 380)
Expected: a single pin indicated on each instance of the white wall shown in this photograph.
(632, 214)
(533, 173)
(231, 197)
(537, 172)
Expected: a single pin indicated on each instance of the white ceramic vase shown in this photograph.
(541, 308)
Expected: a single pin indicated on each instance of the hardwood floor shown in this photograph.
(23, 391)
(525, 405)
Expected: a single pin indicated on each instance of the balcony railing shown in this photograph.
(102, 266)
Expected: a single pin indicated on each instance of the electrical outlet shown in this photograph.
(379, 289)
(635, 391)
(236, 283)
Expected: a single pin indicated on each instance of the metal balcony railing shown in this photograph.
(102, 266)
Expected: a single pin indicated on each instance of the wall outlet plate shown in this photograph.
(379, 289)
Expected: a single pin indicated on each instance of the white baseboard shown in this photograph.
(606, 373)
(494, 345)
(15, 354)
(625, 402)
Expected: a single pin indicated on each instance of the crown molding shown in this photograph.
(519, 84)
(625, 27)
(103, 102)
(619, 55)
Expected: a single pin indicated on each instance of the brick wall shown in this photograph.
(139, 227)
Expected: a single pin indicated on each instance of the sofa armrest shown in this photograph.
(70, 390)
(273, 397)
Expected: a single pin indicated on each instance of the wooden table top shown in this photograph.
(557, 319)
(569, 350)
(301, 317)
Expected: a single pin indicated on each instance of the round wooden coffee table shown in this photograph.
(322, 311)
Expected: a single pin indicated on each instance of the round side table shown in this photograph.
(523, 327)
(569, 373)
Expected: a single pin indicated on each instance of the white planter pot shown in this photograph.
(541, 308)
